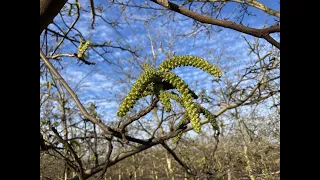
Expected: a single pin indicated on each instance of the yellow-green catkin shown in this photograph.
(177, 138)
(137, 89)
(151, 82)
(82, 48)
(165, 100)
(210, 118)
(182, 121)
(187, 60)
(175, 97)
(152, 87)
(187, 98)
(147, 91)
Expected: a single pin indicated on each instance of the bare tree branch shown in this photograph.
(139, 115)
(110, 148)
(69, 29)
(73, 95)
(93, 13)
(70, 149)
(252, 3)
(174, 155)
(260, 33)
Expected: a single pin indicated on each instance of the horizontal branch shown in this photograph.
(259, 33)
(252, 3)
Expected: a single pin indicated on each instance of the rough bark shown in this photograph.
(48, 10)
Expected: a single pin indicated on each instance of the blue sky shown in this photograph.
(100, 83)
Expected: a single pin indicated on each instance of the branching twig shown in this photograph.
(105, 128)
(93, 13)
(110, 147)
(70, 28)
(174, 155)
(139, 115)
(252, 3)
(70, 149)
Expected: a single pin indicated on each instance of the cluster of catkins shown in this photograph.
(82, 48)
(151, 82)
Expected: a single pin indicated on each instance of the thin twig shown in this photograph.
(70, 149)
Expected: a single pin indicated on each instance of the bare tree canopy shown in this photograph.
(159, 89)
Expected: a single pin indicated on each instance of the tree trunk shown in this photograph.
(248, 168)
(229, 174)
(169, 166)
(66, 172)
(154, 172)
(48, 10)
(185, 176)
(65, 128)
